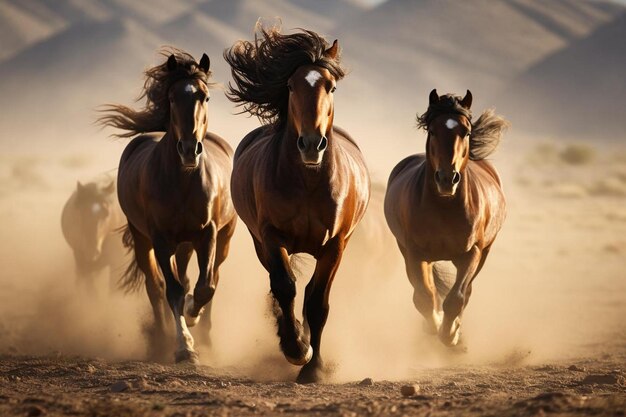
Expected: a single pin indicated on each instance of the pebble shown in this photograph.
(367, 382)
(409, 390)
(120, 386)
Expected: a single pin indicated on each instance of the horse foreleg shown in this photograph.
(175, 294)
(467, 266)
(316, 306)
(207, 283)
(181, 260)
(221, 252)
(275, 258)
(425, 299)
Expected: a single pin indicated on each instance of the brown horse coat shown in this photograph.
(447, 204)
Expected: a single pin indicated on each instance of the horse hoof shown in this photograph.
(311, 374)
(186, 356)
(452, 336)
(190, 320)
(303, 360)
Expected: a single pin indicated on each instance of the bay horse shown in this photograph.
(299, 183)
(174, 189)
(447, 204)
(90, 221)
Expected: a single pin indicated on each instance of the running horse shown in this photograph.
(447, 204)
(174, 190)
(299, 183)
(90, 222)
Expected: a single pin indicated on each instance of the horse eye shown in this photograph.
(207, 99)
(332, 90)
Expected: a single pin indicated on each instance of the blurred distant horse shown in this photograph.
(299, 184)
(447, 204)
(174, 190)
(91, 221)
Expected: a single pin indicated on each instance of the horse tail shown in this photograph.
(486, 134)
(133, 278)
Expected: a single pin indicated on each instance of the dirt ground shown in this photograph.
(67, 386)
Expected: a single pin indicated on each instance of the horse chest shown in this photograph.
(184, 217)
(443, 235)
(308, 227)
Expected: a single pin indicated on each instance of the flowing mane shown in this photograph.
(155, 114)
(261, 70)
(486, 131)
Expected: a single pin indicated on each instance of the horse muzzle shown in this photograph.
(190, 152)
(312, 149)
(447, 182)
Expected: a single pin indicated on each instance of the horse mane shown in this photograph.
(486, 134)
(486, 131)
(155, 114)
(262, 68)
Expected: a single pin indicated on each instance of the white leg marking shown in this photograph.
(185, 339)
(455, 331)
(312, 77)
(189, 319)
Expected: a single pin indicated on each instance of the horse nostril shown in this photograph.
(437, 176)
(456, 177)
(301, 144)
(199, 148)
(179, 147)
(323, 144)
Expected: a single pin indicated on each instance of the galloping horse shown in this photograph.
(447, 204)
(298, 183)
(174, 190)
(90, 222)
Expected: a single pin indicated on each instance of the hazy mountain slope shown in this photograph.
(455, 45)
(578, 91)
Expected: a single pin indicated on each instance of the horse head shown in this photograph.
(189, 113)
(448, 145)
(94, 205)
(311, 108)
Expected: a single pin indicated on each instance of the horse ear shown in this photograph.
(171, 63)
(467, 100)
(205, 63)
(80, 189)
(333, 50)
(109, 188)
(433, 97)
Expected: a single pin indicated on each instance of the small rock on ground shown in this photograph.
(120, 386)
(409, 390)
